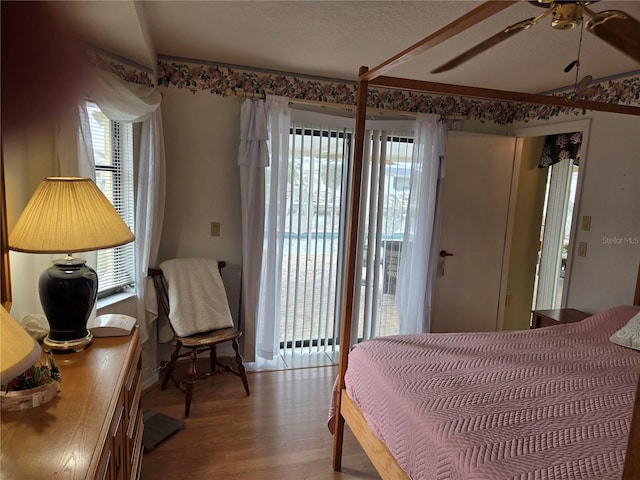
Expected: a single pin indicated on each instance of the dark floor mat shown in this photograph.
(158, 427)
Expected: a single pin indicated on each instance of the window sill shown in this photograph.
(115, 298)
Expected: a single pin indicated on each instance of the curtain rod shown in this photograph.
(337, 106)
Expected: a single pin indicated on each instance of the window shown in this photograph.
(113, 156)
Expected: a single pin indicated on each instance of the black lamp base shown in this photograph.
(68, 292)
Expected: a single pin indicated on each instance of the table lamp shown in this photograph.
(18, 351)
(67, 215)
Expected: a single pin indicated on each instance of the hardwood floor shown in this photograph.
(279, 432)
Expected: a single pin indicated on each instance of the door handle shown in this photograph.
(443, 255)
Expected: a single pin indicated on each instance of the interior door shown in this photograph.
(475, 206)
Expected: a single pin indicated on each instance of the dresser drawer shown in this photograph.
(116, 434)
(133, 415)
(103, 472)
(135, 465)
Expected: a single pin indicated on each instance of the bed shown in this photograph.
(552, 402)
(588, 408)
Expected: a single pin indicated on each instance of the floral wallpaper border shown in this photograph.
(225, 80)
(125, 69)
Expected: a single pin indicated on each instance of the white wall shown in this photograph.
(201, 139)
(28, 159)
(201, 135)
(611, 196)
(203, 183)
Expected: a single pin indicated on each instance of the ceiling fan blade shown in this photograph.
(618, 29)
(487, 44)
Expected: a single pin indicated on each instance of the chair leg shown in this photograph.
(241, 370)
(213, 358)
(170, 366)
(191, 379)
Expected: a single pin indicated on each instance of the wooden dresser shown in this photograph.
(548, 318)
(92, 429)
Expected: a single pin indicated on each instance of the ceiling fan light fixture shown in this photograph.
(566, 16)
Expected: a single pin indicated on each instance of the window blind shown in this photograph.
(384, 200)
(313, 245)
(113, 156)
(315, 225)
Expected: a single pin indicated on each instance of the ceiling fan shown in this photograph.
(615, 27)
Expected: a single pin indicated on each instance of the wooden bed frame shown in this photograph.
(346, 410)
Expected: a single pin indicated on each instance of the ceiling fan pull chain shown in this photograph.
(575, 85)
(576, 62)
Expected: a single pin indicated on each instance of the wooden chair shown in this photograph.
(196, 344)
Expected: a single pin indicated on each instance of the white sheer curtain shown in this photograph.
(73, 146)
(253, 158)
(264, 213)
(86, 163)
(418, 258)
(131, 103)
(268, 331)
(263, 159)
(150, 198)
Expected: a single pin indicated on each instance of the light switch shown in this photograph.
(582, 249)
(215, 229)
(586, 223)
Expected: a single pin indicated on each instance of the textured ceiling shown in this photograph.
(334, 38)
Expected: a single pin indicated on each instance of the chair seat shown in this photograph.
(209, 338)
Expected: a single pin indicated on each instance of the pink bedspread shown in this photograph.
(551, 403)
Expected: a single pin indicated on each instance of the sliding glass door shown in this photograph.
(313, 259)
(314, 241)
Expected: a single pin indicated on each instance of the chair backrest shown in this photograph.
(162, 291)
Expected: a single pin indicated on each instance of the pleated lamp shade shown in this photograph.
(18, 351)
(67, 215)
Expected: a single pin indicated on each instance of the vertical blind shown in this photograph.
(313, 245)
(113, 156)
(383, 207)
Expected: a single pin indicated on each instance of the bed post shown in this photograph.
(632, 459)
(352, 245)
(636, 295)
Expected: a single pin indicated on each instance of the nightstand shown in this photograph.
(557, 316)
